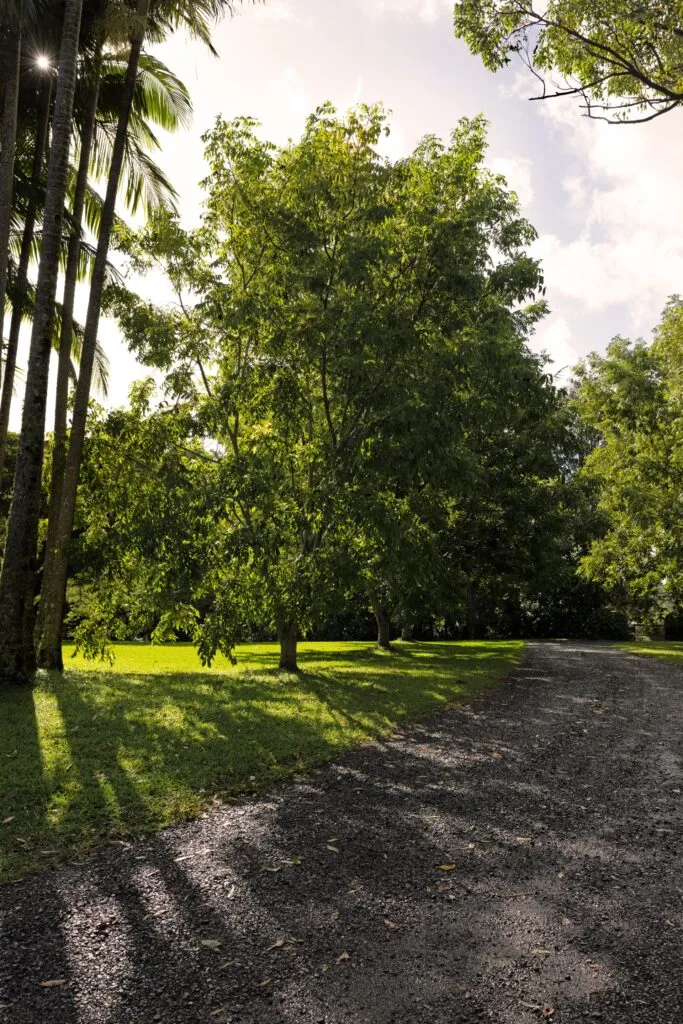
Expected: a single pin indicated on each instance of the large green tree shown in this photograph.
(633, 396)
(323, 318)
(623, 58)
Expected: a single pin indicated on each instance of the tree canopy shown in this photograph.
(634, 397)
(623, 58)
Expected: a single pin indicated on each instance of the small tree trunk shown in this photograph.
(51, 609)
(21, 287)
(383, 616)
(11, 54)
(22, 529)
(56, 562)
(287, 635)
(406, 632)
(471, 611)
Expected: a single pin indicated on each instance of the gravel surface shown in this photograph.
(507, 861)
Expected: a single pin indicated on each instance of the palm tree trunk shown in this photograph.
(22, 529)
(11, 53)
(21, 287)
(56, 563)
(49, 626)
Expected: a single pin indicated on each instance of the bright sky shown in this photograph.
(606, 201)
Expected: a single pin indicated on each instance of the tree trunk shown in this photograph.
(471, 610)
(383, 616)
(56, 562)
(50, 612)
(21, 287)
(11, 53)
(406, 632)
(22, 529)
(287, 635)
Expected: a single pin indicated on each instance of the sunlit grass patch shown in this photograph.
(668, 649)
(105, 751)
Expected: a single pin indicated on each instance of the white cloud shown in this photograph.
(291, 105)
(517, 172)
(425, 10)
(556, 339)
(274, 11)
(628, 201)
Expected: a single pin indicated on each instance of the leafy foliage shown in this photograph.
(634, 397)
(342, 329)
(624, 58)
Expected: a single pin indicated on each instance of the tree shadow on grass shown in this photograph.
(129, 753)
(545, 902)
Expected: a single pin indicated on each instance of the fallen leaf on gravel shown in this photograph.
(446, 867)
(52, 983)
(325, 967)
(335, 915)
(18, 839)
(278, 944)
(224, 967)
(217, 1013)
(212, 943)
(332, 849)
(524, 839)
(266, 981)
(541, 952)
(391, 925)
(273, 871)
(342, 957)
(6, 821)
(294, 861)
(197, 853)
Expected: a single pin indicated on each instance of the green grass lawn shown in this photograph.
(104, 752)
(668, 649)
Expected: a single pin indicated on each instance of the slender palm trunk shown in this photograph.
(22, 529)
(11, 53)
(56, 564)
(50, 654)
(287, 635)
(383, 617)
(21, 287)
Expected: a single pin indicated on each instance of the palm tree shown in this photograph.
(18, 297)
(16, 642)
(162, 97)
(10, 49)
(158, 18)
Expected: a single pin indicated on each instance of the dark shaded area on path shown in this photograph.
(515, 857)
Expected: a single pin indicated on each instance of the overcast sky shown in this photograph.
(607, 201)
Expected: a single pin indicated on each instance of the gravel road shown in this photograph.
(509, 861)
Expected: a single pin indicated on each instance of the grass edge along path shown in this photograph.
(668, 650)
(108, 752)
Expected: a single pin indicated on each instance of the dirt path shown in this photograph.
(507, 860)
